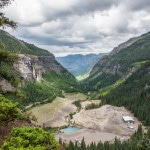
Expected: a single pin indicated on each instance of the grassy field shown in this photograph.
(48, 112)
(82, 77)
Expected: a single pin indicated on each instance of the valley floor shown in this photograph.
(100, 124)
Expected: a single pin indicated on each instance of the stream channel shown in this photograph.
(71, 128)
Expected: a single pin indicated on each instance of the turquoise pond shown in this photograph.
(70, 129)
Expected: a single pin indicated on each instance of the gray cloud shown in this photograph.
(79, 8)
(75, 26)
(95, 5)
(136, 5)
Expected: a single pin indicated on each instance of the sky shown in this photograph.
(78, 26)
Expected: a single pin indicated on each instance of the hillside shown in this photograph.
(39, 76)
(123, 60)
(14, 45)
(134, 94)
(78, 64)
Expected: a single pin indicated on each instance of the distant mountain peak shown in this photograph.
(79, 64)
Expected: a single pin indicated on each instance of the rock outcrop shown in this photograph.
(123, 45)
(108, 65)
(32, 67)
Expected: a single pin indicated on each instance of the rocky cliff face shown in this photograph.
(32, 67)
(123, 45)
(111, 67)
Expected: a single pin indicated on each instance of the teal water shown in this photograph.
(70, 129)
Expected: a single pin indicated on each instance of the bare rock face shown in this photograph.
(32, 67)
(123, 45)
(5, 85)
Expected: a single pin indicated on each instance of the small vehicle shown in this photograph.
(130, 127)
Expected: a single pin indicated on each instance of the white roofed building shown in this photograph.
(128, 119)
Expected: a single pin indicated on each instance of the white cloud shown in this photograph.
(74, 26)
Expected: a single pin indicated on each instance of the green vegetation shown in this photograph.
(7, 71)
(51, 87)
(105, 90)
(10, 74)
(38, 92)
(24, 138)
(4, 21)
(112, 68)
(53, 83)
(8, 111)
(16, 46)
(53, 129)
(27, 138)
(137, 52)
(98, 82)
(78, 105)
(82, 77)
(65, 81)
(93, 106)
(139, 63)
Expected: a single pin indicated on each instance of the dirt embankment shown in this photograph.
(106, 119)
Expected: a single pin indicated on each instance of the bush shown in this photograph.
(27, 138)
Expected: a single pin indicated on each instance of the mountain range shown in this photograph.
(78, 64)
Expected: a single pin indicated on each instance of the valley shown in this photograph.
(80, 65)
(41, 92)
(72, 92)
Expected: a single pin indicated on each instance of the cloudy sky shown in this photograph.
(79, 26)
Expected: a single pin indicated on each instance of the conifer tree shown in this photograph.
(4, 21)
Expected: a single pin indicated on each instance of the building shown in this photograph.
(128, 119)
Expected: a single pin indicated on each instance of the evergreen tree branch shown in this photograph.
(6, 22)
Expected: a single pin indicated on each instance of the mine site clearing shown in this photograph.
(100, 124)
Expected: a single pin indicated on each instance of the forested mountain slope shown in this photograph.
(14, 45)
(122, 61)
(39, 76)
(134, 94)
